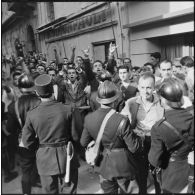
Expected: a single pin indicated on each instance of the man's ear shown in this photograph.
(138, 87)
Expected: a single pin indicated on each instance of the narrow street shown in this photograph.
(88, 183)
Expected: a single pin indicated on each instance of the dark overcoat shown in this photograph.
(169, 152)
(51, 123)
(118, 162)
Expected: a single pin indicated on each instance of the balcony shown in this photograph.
(20, 7)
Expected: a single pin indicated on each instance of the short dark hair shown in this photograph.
(43, 65)
(187, 61)
(71, 68)
(135, 68)
(149, 64)
(51, 69)
(80, 57)
(124, 67)
(99, 62)
(156, 55)
(144, 69)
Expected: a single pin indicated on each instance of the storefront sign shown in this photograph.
(80, 24)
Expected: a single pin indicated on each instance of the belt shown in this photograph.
(107, 151)
(53, 145)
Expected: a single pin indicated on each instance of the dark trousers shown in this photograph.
(124, 185)
(143, 163)
(54, 184)
(12, 149)
(30, 175)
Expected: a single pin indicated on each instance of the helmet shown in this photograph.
(25, 83)
(107, 92)
(171, 90)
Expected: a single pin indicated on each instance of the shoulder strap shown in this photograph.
(17, 113)
(133, 110)
(177, 132)
(101, 131)
(116, 134)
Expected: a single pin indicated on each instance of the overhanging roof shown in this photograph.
(164, 17)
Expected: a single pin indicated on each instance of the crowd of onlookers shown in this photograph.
(75, 84)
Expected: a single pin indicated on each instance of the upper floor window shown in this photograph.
(50, 11)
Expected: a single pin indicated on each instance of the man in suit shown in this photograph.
(51, 123)
(117, 168)
(168, 151)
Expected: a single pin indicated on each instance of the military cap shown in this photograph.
(44, 85)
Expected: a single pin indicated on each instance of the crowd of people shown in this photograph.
(45, 105)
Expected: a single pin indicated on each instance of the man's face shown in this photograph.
(72, 75)
(15, 80)
(146, 88)
(179, 69)
(174, 70)
(53, 64)
(97, 68)
(33, 70)
(123, 75)
(40, 69)
(127, 62)
(65, 61)
(31, 64)
(154, 60)
(166, 70)
(52, 74)
(79, 62)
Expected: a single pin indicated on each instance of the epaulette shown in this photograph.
(160, 121)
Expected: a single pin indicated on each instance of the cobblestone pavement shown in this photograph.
(88, 183)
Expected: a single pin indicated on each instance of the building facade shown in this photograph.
(137, 27)
(19, 22)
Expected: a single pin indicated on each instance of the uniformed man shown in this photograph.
(51, 123)
(17, 112)
(118, 168)
(168, 150)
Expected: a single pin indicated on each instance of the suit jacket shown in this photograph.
(126, 143)
(166, 145)
(51, 123)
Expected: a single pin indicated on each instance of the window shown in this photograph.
(50, 11)
(101, 50)
(177, 46)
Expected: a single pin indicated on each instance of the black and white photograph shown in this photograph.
(97, 97)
